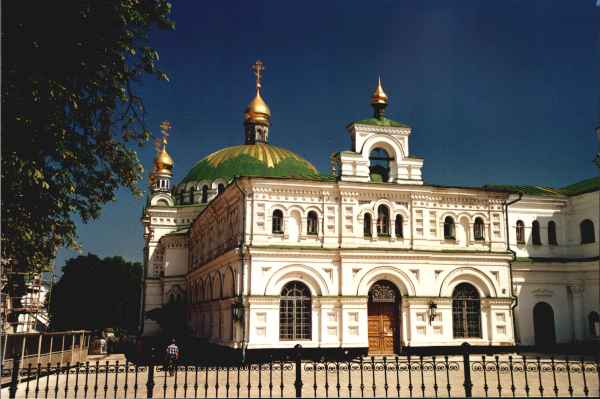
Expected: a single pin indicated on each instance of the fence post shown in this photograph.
(14, 377)
(298, 382)
(150, 383)
(467, 369)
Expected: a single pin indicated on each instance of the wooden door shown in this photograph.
(382, 327)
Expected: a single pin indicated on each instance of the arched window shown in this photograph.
(398, 226)
(552, 233)
(379, 168)
(192, 193)
(312, 223)
(466, 312)
(204, 194)
(535, 233)
(478, 229)
(220, 188)
(295, 312)
(277, 222)
(383, 221)
(449, 229)
(520, 232)
(367, 225)
(588, 234)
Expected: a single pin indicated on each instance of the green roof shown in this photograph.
(582, 187)
(262, 160)
(380, 122)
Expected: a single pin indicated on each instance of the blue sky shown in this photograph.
(496, 92)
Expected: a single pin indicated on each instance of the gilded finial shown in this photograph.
(258, 111)
(379, 99)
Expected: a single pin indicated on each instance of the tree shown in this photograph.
(95, 293)
(171, 317)
(71, 115)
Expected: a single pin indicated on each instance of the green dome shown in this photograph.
(263, 160)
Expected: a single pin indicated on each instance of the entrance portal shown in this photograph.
(543, 324)
(383, 307)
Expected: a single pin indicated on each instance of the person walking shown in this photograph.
(172, 357)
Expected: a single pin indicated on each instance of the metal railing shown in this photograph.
(467, 374)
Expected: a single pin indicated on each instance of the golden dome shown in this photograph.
(379, 96)
(257, 111)
(163, 162)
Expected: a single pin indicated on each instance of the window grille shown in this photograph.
(478, 229)
(383, 221)
(466, 312)
(552, 233)
(398, 226)
(277, 222)
(535, 233)
(295, 319)
(520, 232)
(449, 229)
(312, 223)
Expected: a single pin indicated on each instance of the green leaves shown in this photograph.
(71, 116)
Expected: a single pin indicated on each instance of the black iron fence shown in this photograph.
(457, 374)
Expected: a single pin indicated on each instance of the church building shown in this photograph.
(268, 253)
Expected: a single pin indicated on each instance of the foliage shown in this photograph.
(95, 294)
(71, 115)
(171, 317)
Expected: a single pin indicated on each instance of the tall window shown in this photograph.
(552, 233)
(192, 193)
(466, 312)
(295, 312)
(520, 232)
(383, 221)
(449, 229)
(587, 232)
(379, 168)
(312, 223)
(220, 188)
(367, 225)
(478, 228)
(398, 225)
(204, 194)
(277, 222)
(535, 233)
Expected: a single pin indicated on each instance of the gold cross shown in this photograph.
(157, 143)
(258, 67)
(165, 126)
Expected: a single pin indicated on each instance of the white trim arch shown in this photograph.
(402, 281)
(484, 285)
(393, 147)
(161, 197)
(306, 274)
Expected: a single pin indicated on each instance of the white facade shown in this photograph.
(230, 254)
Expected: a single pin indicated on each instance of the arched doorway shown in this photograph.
(383, 310)
(543, 324)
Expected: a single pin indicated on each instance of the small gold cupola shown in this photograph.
(257, 116)
(379, 100)
(163, 162)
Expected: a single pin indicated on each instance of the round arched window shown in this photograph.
(295, 319)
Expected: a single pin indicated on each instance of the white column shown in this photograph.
(578, 318)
